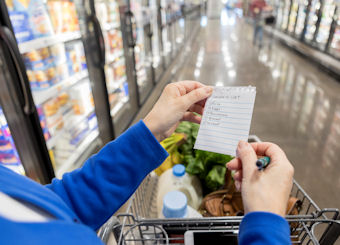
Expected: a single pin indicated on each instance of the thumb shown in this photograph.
(196, 95)
(247, 156)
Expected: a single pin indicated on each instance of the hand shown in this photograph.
(266, 190)
(177, 103)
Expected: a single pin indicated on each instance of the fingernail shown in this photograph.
(242, 144)
(208, 89)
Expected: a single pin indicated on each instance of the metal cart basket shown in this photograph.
(139, 224)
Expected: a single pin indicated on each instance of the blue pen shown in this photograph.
(262, 163)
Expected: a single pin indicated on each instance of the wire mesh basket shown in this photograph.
(139, 224)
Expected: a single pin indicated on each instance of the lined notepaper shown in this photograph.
(226, 119)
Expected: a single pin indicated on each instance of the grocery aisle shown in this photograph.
(297, 104)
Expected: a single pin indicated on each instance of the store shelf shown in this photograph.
(71, 121)
(119, 106)
(111, 26)
(117, 84)
(48, 41)
(113, 57)
(71, 161)
(43, 95)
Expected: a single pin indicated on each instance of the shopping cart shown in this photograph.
(139, 223)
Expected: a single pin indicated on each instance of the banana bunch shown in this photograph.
(171, 145)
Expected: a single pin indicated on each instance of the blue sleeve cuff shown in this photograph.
(149, 141)
(264, 228)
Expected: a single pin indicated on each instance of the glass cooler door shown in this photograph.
(157, 61)
(115, 67)
(49, 40)
(142, 49)
(313, 17)
(334, 48)
(301, 18)
(328, 11)
(293, 16)
(286, 10)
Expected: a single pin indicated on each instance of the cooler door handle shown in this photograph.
(101, 40)
(9, 39)
(130, 20)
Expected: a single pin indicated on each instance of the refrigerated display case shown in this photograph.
(293, 16)
(312, 21)
(334, 47)
(328, 12)
(280, 14)
(114, 65)
(166, 31)
(301, 18)
(48, 37)
(142, 47)
(9, 156)
(178, 24)
(158, 63)
(285, 14)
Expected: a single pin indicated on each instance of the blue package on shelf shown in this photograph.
(20, 23)
(126, 89)
(79, 137)
(37, 16)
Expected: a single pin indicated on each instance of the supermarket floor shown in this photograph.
(297, 104)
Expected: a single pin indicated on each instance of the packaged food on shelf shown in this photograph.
(20, 22)
(76, 60)
(176, 179)
(63, 16)
(41, 70)
(30, 19)
(114, 98)
(58, 53)
(54, 117)
(69, 140)
(9, 156)
(43, 123)
(101, 12)
(82, 99)
(113, 12)
(72, 137)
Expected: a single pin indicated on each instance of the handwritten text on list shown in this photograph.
(226, 119)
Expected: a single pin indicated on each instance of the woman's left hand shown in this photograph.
(177, 103)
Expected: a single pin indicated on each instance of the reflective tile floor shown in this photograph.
(297, 104)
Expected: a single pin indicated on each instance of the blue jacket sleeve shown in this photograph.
(261, 228)
(107, 179)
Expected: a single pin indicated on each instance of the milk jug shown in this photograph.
(176, 179)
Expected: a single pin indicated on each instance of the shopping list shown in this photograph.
(226, 119)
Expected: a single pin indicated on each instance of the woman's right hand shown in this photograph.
(266, 190)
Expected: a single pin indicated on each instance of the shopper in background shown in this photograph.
(70, 210)
(264, 193)
(257, 8)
